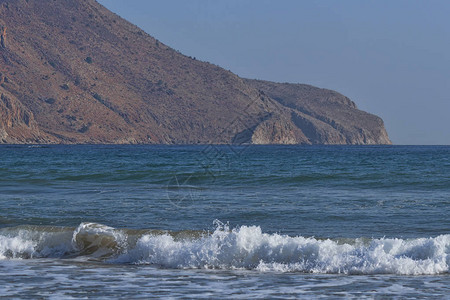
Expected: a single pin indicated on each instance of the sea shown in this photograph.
(224, 221)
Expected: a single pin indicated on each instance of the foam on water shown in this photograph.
(15, 247)
(248, 248)
(88, 239)
(245, 247)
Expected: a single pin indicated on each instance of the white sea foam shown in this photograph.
(245, 247)
(249, 248)
(94, 240)
(16, 247)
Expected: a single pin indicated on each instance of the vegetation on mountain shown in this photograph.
(73, 72)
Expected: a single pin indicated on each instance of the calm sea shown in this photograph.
(224, 221)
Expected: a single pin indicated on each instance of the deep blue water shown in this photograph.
(292, 210)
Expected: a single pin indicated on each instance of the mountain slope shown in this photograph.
(74, 72)
(325, 116)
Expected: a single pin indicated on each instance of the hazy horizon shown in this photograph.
(391, 58)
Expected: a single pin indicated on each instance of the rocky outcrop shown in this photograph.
(3, 37)
(17, 124)
(325, 116)
(74, 72)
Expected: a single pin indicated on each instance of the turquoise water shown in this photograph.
(238, 221)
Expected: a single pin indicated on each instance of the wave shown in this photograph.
(245, 247)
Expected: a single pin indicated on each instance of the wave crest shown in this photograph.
(245, 247)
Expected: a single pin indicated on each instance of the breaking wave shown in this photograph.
(245, 247)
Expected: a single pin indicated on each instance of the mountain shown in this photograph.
(325, 116)
(71, 71)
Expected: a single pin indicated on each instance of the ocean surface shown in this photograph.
(241, 222)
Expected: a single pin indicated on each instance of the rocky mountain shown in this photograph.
(325, 116)
(73, 72)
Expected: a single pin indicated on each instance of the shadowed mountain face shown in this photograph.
(73, 72)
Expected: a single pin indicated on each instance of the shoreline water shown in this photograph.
(304, 221)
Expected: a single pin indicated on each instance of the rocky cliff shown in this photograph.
(73, 72)
(325, 116)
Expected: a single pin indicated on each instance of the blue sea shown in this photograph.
(240, 222)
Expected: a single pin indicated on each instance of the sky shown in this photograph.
(391, 57)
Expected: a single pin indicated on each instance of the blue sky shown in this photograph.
(391, 57)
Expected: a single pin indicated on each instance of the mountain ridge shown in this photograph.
(74, 72)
